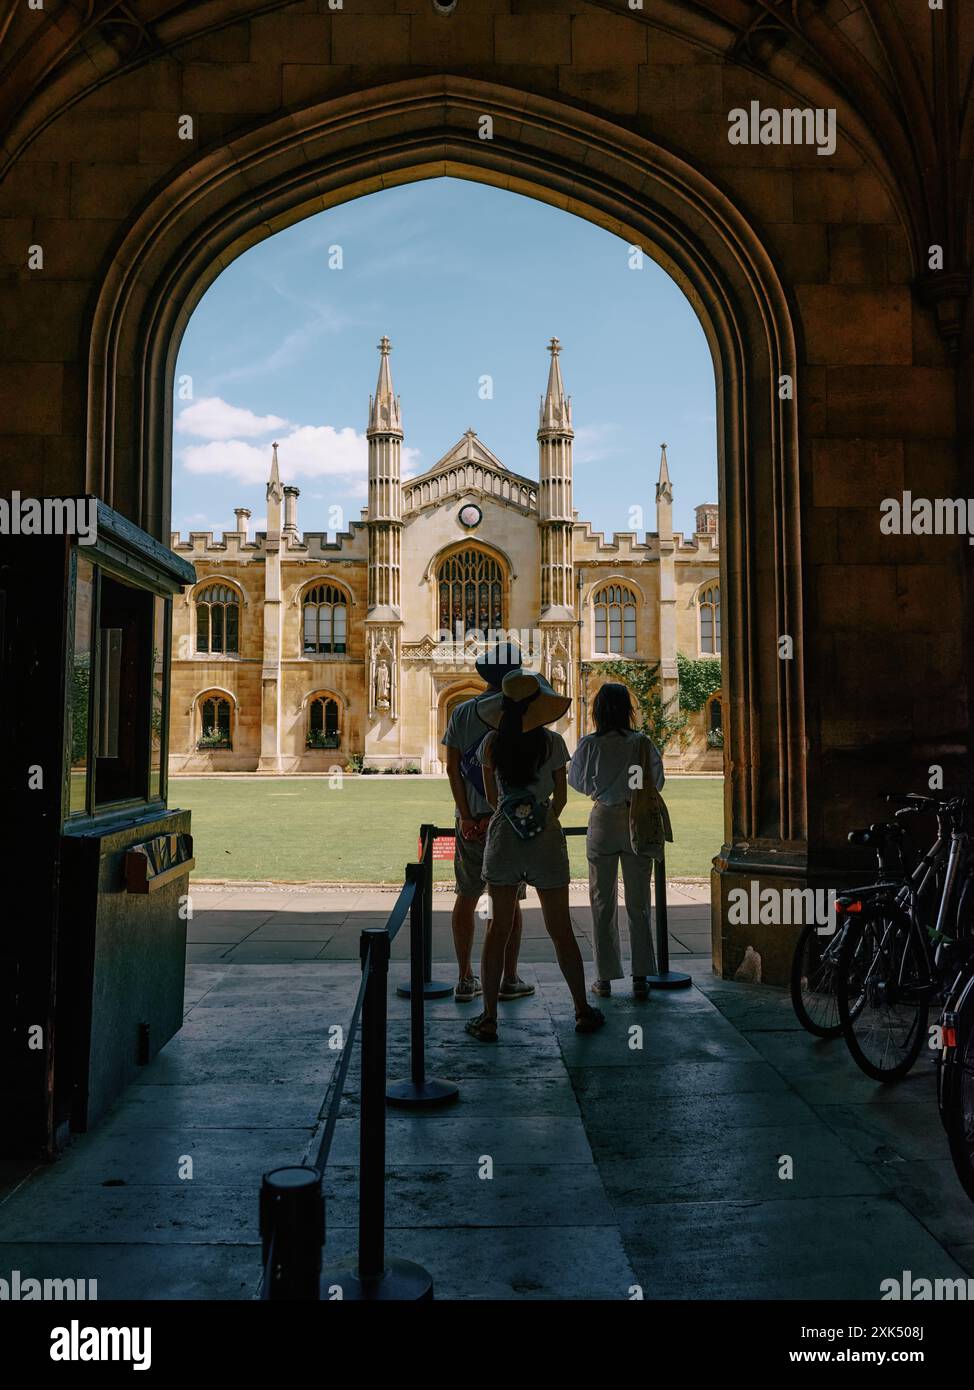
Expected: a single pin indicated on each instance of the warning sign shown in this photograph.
(442, 847)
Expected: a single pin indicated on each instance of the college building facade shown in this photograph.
(296, 654)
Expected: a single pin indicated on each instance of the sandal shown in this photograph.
(603, 988)
(588, 1022)
(483, 1028)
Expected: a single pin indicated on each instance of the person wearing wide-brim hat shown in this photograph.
(524, 780)
(465, 731)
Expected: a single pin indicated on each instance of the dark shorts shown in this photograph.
(468, 865)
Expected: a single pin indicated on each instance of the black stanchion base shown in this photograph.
(423, 1096)
(669, 979)
(401, 1281)
(432, 989)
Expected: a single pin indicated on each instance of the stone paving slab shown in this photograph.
(828, 1247)
(662, 1161)
(742, 1164)
(510, 1263)
(450, 1197)
(143, 1271)
(452, 1137)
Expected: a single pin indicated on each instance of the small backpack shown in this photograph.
(471, 768)
(525, 813)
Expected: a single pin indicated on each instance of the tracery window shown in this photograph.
(615, 620)
(471, 594)
(218, 619)
(325, 621)
(215, 723)
(324, 723)
(709, 605)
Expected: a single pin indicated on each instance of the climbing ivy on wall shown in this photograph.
(655, 716)
(698, 680)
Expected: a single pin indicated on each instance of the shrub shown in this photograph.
(355, 763)
(698, 680)
(654, 715)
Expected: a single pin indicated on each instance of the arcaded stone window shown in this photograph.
(325, 621)
(615, 620)
(215, 723)
(218, 619)
(471, 594)
(324, 722)
(709, 606)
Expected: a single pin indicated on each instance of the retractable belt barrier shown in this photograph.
(292, 1203)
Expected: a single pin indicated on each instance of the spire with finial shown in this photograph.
(664, 488)
(556, 407)
(385, 416)
(274, 488)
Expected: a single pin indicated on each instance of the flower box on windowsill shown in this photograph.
(326, 741)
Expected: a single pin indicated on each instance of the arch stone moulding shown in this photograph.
(273, 175)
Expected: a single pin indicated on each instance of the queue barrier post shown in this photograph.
(420, 1091)
(665, 978)
(373, 1276)
(432, 989)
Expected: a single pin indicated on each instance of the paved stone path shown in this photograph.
(613, 1165)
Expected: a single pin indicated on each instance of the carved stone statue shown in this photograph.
(382, 685)
(558, 677)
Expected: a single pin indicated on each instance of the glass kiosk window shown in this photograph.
(124, 634)
(119, 704)
(80, 707)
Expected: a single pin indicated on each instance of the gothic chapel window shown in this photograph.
(709, 604)
(325, 621)
(615, 620)
(218, 619)
(470, 586)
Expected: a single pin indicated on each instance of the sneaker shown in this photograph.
(467, 989)
(515, 989)
(603, 988)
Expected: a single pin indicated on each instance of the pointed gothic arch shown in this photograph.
(286, 168)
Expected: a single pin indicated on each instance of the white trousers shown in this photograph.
(607, 843)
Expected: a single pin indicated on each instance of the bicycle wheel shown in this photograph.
(957, 1096)
(813, 971)
(883, 992)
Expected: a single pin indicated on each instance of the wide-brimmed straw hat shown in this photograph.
(538, 702)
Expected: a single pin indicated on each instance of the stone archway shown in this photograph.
(307, 161)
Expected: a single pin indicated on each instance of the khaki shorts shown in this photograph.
(468, 865)
(542, 861)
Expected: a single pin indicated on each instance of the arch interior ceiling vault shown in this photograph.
(841, 341)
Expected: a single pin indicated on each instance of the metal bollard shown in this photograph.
(292, 1232)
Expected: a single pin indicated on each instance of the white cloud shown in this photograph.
(307, 451)
(215, 418)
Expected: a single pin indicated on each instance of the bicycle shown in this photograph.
(816, 959)
(887, 975)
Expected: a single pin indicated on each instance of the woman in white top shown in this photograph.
(603, 768)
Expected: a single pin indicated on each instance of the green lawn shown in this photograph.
(365, 832)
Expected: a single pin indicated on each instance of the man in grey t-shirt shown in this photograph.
(463, 734)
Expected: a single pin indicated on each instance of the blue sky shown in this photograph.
(468, 281)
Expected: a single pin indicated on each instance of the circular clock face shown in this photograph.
(470, 516)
